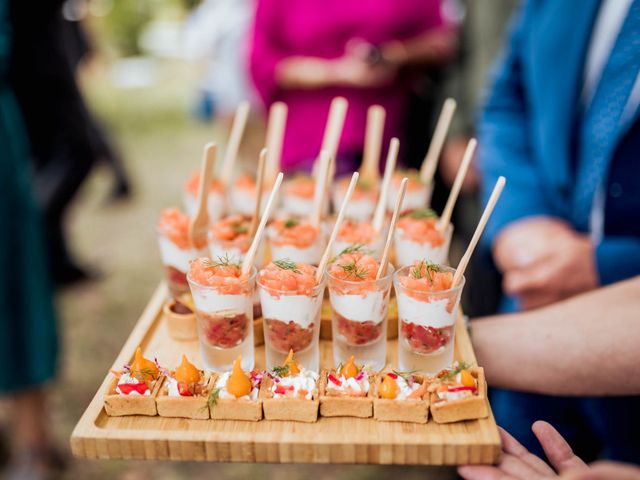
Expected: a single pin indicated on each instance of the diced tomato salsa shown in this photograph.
(224, 331)
(285, 336)
(425, 340)
(358, 333)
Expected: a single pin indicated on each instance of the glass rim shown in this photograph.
(391, 270)
(288, 293)
(190, 280)
(396, 281)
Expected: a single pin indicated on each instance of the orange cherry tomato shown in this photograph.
(389, 388)
(349, 369)
(187, 372)
(467, 379)
(238, 384)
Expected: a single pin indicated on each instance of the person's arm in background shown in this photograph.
(587, 345)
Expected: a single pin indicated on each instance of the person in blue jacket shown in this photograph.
(561, 123)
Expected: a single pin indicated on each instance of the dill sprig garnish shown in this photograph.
(286, 264)
(143, 375)
(455, 371)
(220, 261)
(352, 270)
(291, 222)
(423, 213)
(214, 395)
(429, 270)
(281, 371)
(355, 248)
(239, 228)
(405, 375)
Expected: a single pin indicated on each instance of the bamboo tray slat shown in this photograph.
(330, 440)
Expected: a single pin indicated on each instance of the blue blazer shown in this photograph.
(527, 127)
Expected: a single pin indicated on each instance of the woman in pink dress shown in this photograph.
(306, 52)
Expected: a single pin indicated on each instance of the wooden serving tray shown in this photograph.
(330, 440)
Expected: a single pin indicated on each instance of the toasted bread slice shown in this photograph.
(195, 407)
(344, 406)
(409, 410)
(469, 408)
(294, 409)
(235, 409)
(117, 405)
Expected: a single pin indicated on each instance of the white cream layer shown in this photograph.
(221, 384)
(405, 389)
(408, 251)
(300, 309)
(350, 383)
(311, 255)
(208, 300)
(172, 256)
(358, 209)
(306, 380)
(413, 199)
(427, 314)
(216, 205)
(243, 201)
(359, 308)
(127, 379)
(294, 205)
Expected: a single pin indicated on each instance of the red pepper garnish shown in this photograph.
(334, 380)
(462, 389)
(127, 388)
(282, 389)
(185, 389)
(392, 375)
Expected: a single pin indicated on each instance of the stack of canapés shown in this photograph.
(255, 247)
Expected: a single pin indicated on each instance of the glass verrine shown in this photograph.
(417, 238)
(417, 195)
(224, 311)
(175, 251)
(292, 320)
(427, 312)
(216, 201)
(296, 240)
(359, 312)
(363, 201)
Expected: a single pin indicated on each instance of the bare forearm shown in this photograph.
(587, 345)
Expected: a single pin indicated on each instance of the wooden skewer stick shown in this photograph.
(381, 207)
(333, 130)
(275, 136)
(430, 162)
(320, 190)
(445, 219)
(262, 160)
(231, 153)
(384, 261)
(373, 143)
(336, 228)
(250, 257)
(199, 226)
(488, 210)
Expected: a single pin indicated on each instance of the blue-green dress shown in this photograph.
(28, 340)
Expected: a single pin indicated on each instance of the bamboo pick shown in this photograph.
(373, 143)
(262, 160)
(321, 189)
(488, 210)
(445, 219)
(249, 258)
(336, 228)
(199, 225)
(381, 207)
(384, 261)
(430, 162)
(275, 136)
(235, 137)
(333, 130)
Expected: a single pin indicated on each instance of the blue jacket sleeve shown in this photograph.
(504, 138)
(617, 258)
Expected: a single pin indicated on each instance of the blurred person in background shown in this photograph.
(28, 342)
(65, 140)
(561, 123)
(306, 52)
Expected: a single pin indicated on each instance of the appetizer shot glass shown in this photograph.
(223, 300)
(427, 312)
(417, 195)
(297, 198)
(363, 200)
(175, 251)
(296, 240)
(216, 201)
(242, 196)
(291, 305)
(360, 308)
(418, 238)
(353, 233)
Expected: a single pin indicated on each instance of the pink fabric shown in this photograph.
(321, 28)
